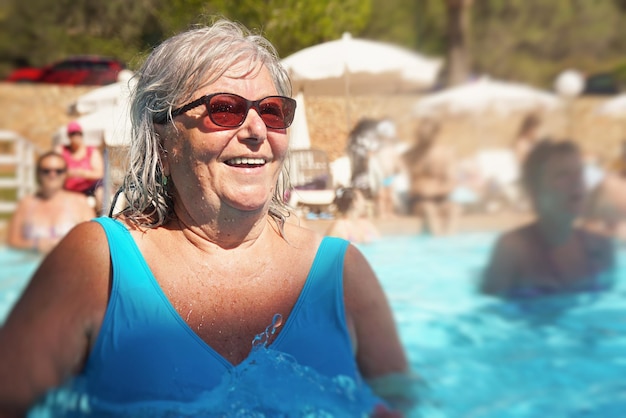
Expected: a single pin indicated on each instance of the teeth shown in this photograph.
(251, 161)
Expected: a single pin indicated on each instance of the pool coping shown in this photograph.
(412, 225)
(408, 225)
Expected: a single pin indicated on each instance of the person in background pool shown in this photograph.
(42, 219)
(527, 136)
(163, 300)
(385, 167)
(352, 222)
(605, 211)
(431, 170)
(363, 140)
(85, 165)
(551, 254)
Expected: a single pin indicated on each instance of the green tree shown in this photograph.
(526, 40)
(289, 24)
(419, 25)
(41, 31)
(457, 66)
(534, 40)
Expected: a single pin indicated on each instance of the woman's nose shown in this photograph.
(255, 127)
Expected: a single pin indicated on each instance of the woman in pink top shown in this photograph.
(85, 165)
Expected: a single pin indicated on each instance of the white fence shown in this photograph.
(17, 168)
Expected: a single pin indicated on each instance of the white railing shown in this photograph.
(17, 168)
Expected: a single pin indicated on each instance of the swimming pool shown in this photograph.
(17, 267)
(563, 356)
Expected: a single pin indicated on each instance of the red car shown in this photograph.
(77, 70)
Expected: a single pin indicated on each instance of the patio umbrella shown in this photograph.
(351, 66)
(485, 101)
(108, 95)
(109, 125)
(486, 95)
(359, 66)
(299, 137)
(615, 107)
(105, 115)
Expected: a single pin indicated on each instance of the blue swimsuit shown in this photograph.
(146, 351)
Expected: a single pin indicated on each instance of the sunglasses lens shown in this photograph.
(230, 110)
(277, 112)
(227, 110)
(48, 171)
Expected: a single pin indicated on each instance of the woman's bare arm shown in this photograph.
(48, 334)
(96, 171)
(379, 351)
(499, 275)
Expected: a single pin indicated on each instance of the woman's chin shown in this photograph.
(249, 205)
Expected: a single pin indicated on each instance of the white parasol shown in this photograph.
(359, 66)
(615, 107)
(299, 137)
(486, 95)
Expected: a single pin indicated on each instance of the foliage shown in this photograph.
(535, 39)
(42, 31)
(525, 40)
(415, 24)
(289, 24)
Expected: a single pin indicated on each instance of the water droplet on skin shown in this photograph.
(277, 321)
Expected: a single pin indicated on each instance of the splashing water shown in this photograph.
(262, 339)
(267, 384)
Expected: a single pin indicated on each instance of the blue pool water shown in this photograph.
(15, 269)
(562, 356)
(478, 357)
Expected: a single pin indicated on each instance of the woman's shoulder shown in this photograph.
(519, 237)
(296, 232)
(27, 201)
(598, 246)
(84, 248)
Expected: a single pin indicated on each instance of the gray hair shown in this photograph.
(170, 76)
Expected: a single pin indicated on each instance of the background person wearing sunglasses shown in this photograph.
(168, 296)
(42, 219)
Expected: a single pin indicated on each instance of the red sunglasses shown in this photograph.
(230, 110)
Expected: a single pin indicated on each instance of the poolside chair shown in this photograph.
(311, 181)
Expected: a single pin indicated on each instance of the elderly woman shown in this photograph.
(163, 301)
(43, 218)
(551, 254)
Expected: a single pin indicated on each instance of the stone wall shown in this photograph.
(37, 111)
(330, 119)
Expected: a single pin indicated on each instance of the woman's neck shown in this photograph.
(227, 229)
(75, 148)
(48, 195)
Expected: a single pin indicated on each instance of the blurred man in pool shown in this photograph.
(164, 300)
(550, 254)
